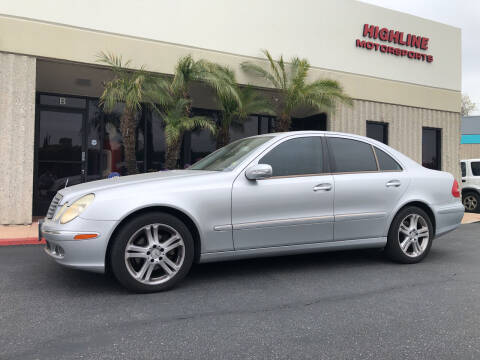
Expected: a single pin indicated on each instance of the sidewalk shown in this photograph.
(20, 234)
(28, 234)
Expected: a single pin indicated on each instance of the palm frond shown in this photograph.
(253, 102)
(198, 122)
(274, 66)
(259, 71)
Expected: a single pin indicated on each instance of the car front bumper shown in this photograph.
(88, 254)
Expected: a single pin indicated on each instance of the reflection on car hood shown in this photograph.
(117, 181)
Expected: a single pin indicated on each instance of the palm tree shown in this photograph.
(132, 88)
(294, 91)
(177, 121)
(175, 103)
(235, 112)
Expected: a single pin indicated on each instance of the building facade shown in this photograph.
(470, 140)
(403, 72)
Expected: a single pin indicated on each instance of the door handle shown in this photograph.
(463, 180)
(393, 183)
(323, 187)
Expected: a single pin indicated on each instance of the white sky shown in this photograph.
(464, 14)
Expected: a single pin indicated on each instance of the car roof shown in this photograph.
(307, 132)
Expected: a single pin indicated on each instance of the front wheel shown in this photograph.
(152, 252)
(410, 236)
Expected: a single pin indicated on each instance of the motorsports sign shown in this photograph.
(383, 37)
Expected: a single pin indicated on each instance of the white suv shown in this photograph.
(471, 184)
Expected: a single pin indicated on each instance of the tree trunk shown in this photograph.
(223, 136)
(128, 126)
(283, 122)
(172, 153)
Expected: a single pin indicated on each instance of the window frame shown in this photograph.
(385, 129)
(331, 161)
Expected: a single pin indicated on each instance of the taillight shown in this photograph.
(455, 189)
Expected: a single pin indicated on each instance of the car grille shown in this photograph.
(53, 205)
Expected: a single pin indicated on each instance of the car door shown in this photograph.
(368, 185)
(294, 206)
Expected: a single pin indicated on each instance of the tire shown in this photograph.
(471, 201)
(152, 252)
(415, 239)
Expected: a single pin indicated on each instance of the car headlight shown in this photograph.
(69, 212)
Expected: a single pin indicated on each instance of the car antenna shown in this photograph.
(66, 182)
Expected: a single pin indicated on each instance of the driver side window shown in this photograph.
(295, 157)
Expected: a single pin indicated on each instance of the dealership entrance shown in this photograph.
(60, 147)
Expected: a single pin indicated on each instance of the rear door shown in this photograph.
(294, 206)
(368, 185)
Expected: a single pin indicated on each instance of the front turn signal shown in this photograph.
(85, 236)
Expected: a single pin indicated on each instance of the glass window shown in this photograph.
(377, 131)
(300, 156)
(113, 148)
(431, 148)
(476, 168)
(264, 124)
(229, 156)
(463, 168)
(385, 161)
(155, 142)
(351, 155)
(202, 141)
(243, 129)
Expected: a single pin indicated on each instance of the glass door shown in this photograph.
(60, 153)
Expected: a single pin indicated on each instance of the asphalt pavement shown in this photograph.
(339, 305)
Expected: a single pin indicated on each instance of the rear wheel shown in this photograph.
(152, 252)
(410, 236)
(471, 201)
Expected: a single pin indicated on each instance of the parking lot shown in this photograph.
(350, 305)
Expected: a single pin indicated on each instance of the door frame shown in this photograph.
(64, 109)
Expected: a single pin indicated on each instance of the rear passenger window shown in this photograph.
(386, 162)
(476, 168)
(349, 155)
(299, 156)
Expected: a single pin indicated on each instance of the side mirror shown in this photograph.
(258, 172)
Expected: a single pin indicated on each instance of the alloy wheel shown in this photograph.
(154, 254)
(413, 235)
(470, 202)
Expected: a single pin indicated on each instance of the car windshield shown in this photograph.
(226, 158)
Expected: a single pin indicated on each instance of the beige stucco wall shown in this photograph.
(404, 128)
(52, 41)
(17, 128)
(323, 31)
(469, 151)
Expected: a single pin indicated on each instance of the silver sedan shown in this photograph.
(266, 195)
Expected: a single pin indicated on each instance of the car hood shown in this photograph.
(118, 181)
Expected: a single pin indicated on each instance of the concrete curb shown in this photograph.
(21, 241)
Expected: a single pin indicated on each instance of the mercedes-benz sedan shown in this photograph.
(266, 195)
